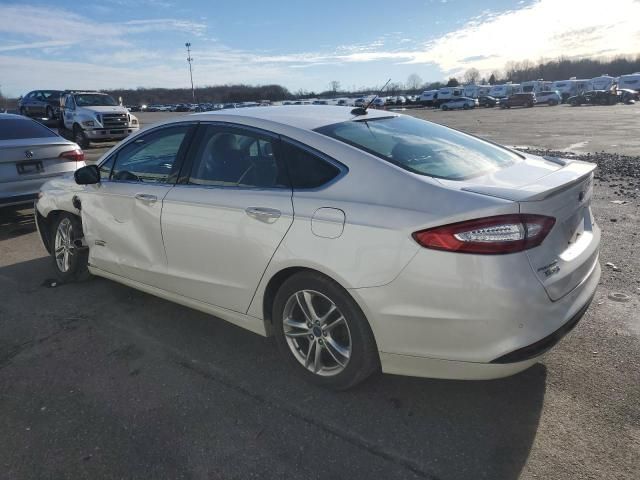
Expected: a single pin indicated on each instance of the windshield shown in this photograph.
(95, 100)
(423, 147)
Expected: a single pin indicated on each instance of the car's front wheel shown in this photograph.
(322, 333)
(80, 137)
(69, 259)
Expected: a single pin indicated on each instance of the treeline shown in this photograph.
(217, 94)
(564, 68)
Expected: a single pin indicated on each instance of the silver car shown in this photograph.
(360, 240)
(31, 154)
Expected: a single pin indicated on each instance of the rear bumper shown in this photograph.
(24, 191)
(468, 318)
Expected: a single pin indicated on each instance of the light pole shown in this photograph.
(189, 59)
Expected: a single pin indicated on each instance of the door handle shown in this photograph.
(146, 197)
(263, 214)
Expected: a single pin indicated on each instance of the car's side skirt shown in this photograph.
(253, 324)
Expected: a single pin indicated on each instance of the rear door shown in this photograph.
(225, 219)
(121, 214)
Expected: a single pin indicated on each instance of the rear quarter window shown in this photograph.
(19, 128)
(307, 170)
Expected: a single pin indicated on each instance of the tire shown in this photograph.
(465, 107)
(70, 264)
(49, 113)
(444, 108)
(333, 368)
(79, 137)
(23, 111)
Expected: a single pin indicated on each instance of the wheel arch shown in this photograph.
(281, 276)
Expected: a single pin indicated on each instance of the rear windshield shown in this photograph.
(15, 129)
(422, 147)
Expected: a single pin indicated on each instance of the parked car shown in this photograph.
(487, 101)
(91, 116)
(379, 102)
(518, 100)
(549, 97)
(462, 102)
(400, 100)
(595, 97)
(31, 154)
(347, 284)
(40, 104)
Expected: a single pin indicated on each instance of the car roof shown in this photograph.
(306, 117)
(12, 116)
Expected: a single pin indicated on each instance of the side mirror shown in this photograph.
(88, 175)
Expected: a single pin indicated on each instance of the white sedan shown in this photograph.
(362, 240)
(460, 103)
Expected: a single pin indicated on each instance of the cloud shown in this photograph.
(121, 54)
(547, 28)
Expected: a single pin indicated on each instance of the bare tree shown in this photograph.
(471, 76)
(414, 81)
(453, 82)
(334, 86)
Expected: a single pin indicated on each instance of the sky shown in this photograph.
(299, 44)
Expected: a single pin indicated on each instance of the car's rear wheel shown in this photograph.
(69, 260)
(322, 332)
(80, 137)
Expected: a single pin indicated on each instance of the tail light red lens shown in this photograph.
(489, 236)
(76, 155)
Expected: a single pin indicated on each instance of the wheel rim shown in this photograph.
(317, 333)
(63, 244)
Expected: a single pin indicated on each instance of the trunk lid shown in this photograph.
(25, 159)
(557, 188)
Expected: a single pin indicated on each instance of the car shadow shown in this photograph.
(432, 428)
(16, 221)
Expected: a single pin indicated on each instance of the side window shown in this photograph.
(230, 158)
(149, 158)
(307, 170)
(105, 168)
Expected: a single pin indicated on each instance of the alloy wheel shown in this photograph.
(63, 244)
(317, 333)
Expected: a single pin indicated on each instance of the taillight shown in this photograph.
(489, 236)
(76, 155)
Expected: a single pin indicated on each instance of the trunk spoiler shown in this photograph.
(571, 173)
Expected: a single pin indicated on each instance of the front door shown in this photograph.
(121, 214)
(223, 225)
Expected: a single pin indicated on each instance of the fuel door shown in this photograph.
(328, 222)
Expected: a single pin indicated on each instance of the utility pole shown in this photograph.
(189, 59)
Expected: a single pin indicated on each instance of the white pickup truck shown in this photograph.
(89, 116)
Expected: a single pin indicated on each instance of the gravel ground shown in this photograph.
(101, 381)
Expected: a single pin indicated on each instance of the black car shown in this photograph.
(41, 104)
(487, 101)
(596, 97)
